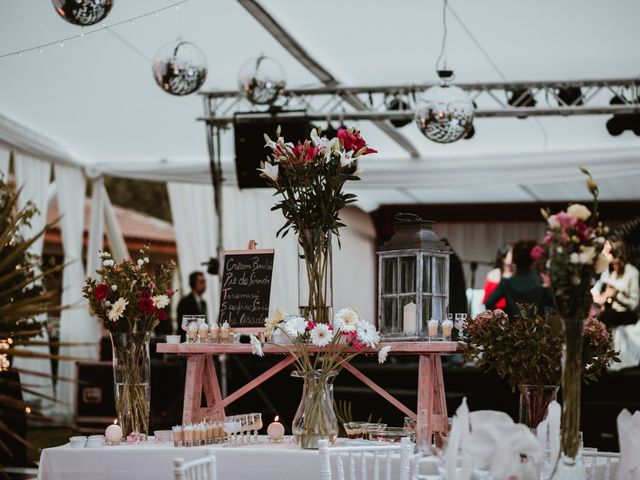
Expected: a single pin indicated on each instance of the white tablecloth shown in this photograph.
(154, 461)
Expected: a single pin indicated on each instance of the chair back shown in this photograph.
(200, 469)
(366, 462)
(601, 465)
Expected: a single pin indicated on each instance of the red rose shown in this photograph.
(162, 315)
(101, 292)
(538, 253)
(146, 305)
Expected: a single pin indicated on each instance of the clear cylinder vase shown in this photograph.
(315, 418)
(132, 380)
(570, 465)
(534, 401)
(315, 276)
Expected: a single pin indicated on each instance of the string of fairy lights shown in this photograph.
(103, 26)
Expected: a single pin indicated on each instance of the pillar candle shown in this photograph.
(409, 318)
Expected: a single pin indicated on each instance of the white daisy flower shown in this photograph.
(295, 326)
(256, 346)
(321, 335)
(382, 354)
(367, 334)
(346, 320)
(117, 309)
(160, 301)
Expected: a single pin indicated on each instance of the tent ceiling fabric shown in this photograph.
(94, 99)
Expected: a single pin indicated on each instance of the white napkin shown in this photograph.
(458, 434)
(499, 445)
(548, 435)
(629, 439)
(480, 418)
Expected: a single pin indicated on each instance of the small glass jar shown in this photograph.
(433, 328)
(177, 436)
(187, 435)
(214, 333)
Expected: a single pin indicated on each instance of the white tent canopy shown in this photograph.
(96, 98)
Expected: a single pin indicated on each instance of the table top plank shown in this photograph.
(397, 348)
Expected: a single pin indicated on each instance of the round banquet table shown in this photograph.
(154, 461)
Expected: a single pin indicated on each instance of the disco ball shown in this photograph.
(261, 80)
(83, 12)
(444, 114)
(179, 67)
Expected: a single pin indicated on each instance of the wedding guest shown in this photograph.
(501, 269)
(618, 291)
(193, 304)
(524, 286)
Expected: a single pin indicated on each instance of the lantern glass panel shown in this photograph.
(426, 312)
(439, 308)
(438, 276)
(390, 274)
(426, 273)
(390, 314)
(408, 275)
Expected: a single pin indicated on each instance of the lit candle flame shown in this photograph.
(115, 421)
(276, 419)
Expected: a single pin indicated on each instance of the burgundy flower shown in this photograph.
(162, 315)
(101, 292)
(146, 305)
(145, 292)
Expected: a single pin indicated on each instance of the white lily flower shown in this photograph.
(256, 346)
(346, 158)
(270, 171)
(382, 354)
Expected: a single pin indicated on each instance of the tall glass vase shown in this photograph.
(534, 401)
(315, 275)
(570, 465)
(132, 380)
(315, 418)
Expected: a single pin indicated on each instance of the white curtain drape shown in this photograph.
(247, 216)
(75, 323)
(117, 244)
(193, 221)
(96, 226)
(4, 162)
(33, 175)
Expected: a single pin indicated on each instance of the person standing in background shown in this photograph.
(193, 304)
(502, 268)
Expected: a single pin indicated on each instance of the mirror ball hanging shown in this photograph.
(179, 68)
(83, 12)
(261, 80)
(444, 114)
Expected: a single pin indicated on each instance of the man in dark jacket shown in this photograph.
(193, 304)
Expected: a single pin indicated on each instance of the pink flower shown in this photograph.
(170, 292)
(547, 239)
(357, 344)
(311, 325)
(565, 220)
(353, 141)
(538, 253)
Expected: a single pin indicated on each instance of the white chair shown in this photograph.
(200, 469)
(355, 463)
(601, 465)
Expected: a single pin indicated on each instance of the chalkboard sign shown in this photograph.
(245, 288)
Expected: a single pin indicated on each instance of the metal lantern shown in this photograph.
(413, 280)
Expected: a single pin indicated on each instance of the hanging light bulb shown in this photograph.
(83, 12)
(179, 67)
(261, 80)
(445, 112)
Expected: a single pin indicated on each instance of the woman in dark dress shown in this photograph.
(524, 286)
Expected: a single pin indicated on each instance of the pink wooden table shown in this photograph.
(201, 375)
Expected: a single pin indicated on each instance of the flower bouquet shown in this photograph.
(130, 301)
(527, 352)
(319, 352)
(310, 177)
(570, 255)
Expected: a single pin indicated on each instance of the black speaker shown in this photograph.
(95, 401)
(249, 141)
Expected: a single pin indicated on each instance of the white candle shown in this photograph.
(409, 318)
(447, 326)
(113, 434)
(433, 327)
(275, 431)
